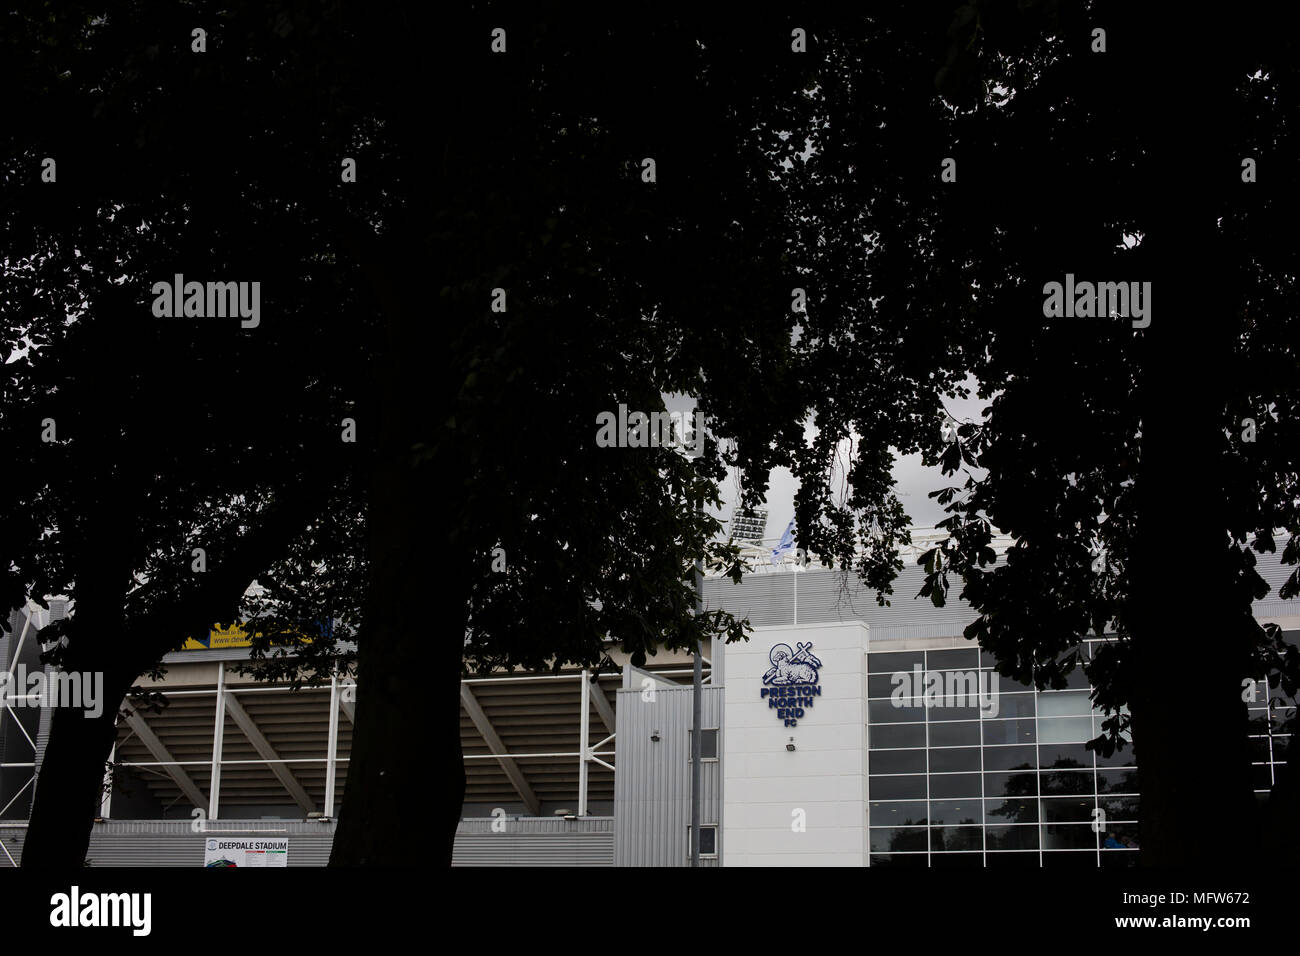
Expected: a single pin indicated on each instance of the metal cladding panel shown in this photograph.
(1275, 574)
(20, 725)
(535, 841)
(151, 843)
(5, 651)
(833, 596)
(473, 826)
(526, 842)
(827, 596)
(7, 638)
(43, 737)
(652, 787)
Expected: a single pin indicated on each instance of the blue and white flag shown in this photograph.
(786, 545)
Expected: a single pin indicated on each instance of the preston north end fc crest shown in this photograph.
(792, 667)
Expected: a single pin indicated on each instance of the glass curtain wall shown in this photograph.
(1006, 780)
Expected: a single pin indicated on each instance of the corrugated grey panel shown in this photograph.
(145, 843)
(7, 638)
(534, 849)
(225, 653)
(58, 611)
(6, 642)
(476, 825)
(832, 596)
(827, 596)
(535, 841)
(905, 632)
(1275, 573)
(34, 722)
(526, 842)
(652, 786)
(43, 735)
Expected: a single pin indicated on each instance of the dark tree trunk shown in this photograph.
(406, 756)
(70, 786)
(406, 760)
(1189, 718)
(70, 780)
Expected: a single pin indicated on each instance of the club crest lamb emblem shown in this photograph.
(792, 667)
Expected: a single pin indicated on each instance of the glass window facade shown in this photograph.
(959, 782)
(957, 779)
(1002, 780)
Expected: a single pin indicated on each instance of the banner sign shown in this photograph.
(220, 637)
(238, 635)
(220, 852)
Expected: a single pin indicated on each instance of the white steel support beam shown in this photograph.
(14, 799)
(596, 753)
(602, 706)
(4, 666)
(269, 754)
(350, 709)
(22, 638)
(164, 758)
(584, 740)
(332, 748)
(218, 739)
(517, 778)
(20, 727)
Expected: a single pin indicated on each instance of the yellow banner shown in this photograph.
(220, 637)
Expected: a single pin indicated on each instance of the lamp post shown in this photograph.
(697, 708)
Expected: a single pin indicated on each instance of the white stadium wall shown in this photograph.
(806, 806)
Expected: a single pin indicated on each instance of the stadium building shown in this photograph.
(841, 733)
